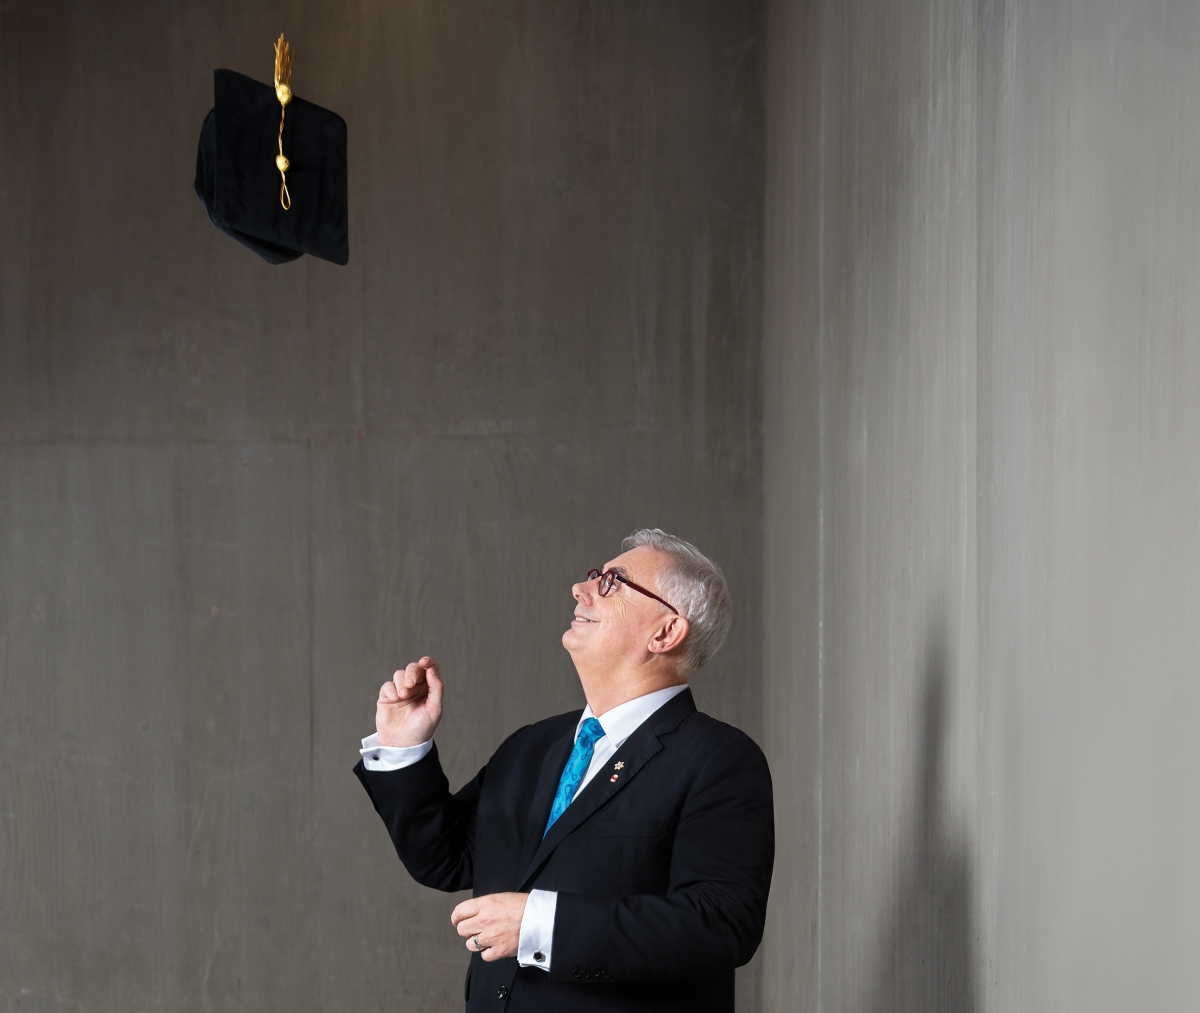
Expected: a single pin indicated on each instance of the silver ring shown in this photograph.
(475, 940)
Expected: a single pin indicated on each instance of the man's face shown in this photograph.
(607, 630)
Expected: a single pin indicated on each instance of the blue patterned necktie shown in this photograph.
(577, 765)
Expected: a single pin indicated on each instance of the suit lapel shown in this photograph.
(637, 750)
(543, 795)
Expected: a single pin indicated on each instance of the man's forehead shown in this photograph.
(640, 564)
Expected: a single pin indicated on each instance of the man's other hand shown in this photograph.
(495, 919)
(410, 706)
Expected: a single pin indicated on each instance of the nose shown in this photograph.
(582, 592)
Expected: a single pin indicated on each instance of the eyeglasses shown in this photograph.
(608, 582)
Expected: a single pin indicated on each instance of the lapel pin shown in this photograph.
(614, 777)
(619, 765)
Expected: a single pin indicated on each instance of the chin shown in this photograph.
(573, 642)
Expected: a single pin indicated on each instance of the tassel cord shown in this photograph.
(285, 198)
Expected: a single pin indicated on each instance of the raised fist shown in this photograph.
(410, 705)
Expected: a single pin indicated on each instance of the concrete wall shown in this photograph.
(233, 497)
(982, 504)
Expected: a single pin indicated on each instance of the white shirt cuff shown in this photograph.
(377, 757)
(537, 929)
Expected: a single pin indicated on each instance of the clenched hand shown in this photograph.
(495, 919)
(410, 705)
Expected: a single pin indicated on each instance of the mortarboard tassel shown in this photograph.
(283, 91)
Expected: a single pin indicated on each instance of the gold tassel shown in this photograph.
(283, 91)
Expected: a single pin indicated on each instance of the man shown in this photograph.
(620, 858)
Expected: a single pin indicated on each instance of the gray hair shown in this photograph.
(695, 585)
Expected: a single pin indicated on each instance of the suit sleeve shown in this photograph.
(713, 914)
(433, 831)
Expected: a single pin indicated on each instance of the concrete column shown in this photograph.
(982, 505)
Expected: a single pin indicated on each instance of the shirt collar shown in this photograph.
(625, 719)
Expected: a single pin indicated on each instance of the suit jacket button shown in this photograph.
(502, 992)
(575, 973)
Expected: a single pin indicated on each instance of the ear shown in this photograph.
(669, 635)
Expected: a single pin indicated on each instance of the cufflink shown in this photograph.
(539, 956)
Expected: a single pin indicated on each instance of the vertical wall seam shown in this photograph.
(821, 489)
(311, 596)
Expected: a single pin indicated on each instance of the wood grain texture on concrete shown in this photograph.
(233, 497)
(982, 505)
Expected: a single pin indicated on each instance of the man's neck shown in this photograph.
(603, 694)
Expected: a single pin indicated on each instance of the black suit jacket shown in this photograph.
(662, 872)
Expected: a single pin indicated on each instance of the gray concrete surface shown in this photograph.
(982, 505)
(234, 496)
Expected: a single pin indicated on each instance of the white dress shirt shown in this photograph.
(537, 923)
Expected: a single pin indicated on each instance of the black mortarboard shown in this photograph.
(245, 186)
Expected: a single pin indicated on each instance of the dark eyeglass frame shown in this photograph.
(608, 582)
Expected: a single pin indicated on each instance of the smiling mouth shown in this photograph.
(582, 619)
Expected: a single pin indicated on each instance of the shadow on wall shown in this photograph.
(927, 961)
